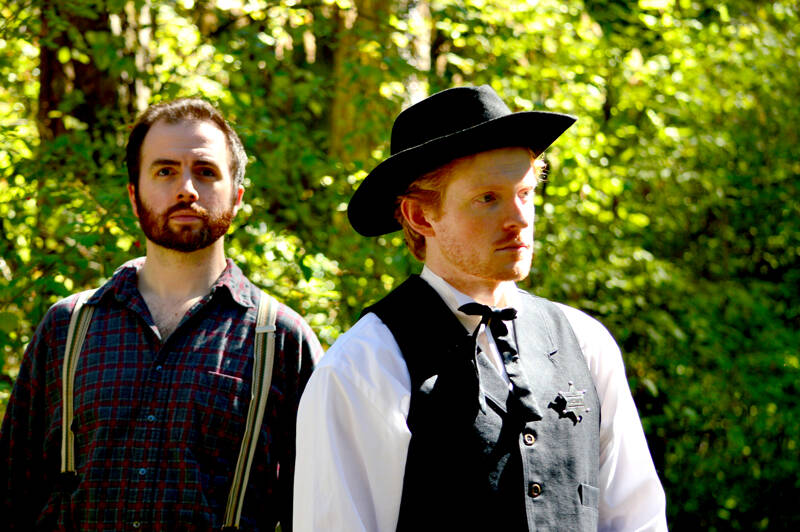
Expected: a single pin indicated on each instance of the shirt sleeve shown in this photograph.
(300, 351)
(352, 437)
(631, 495)
(26, 481)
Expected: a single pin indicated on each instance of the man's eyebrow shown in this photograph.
(163, 162)
(206, 162)
(171, 162)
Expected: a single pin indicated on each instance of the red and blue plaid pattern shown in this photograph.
(157, 425)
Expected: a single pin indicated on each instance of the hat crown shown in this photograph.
(445, 113)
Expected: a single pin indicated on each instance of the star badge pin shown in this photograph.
(570, 404)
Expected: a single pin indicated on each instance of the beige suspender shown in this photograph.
(76, 334)
(263, 357)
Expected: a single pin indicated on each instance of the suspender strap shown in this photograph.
(263, 356)
(76, 333)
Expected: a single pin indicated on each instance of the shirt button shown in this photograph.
(142, 472)
(136, 524)
(528, 439)
(151, 418)
(159, 368)
(535, 489)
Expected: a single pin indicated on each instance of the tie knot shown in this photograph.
(494, 318)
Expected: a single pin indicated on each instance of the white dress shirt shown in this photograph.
(352, 437)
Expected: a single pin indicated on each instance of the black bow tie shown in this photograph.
(494, 320)
(490, 317)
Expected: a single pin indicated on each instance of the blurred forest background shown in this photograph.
(672, 212)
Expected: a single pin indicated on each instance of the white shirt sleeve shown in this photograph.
(631, 496)
(352, 437)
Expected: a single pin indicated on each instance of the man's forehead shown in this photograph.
(504, 163)
(193, 138)
(190, 128)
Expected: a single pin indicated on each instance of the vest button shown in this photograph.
(528, 438)
(535, 489)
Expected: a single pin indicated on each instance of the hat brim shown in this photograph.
(371, 209)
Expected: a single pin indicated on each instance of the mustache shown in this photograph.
(185, 206)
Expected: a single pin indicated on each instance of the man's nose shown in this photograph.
(186, 189)
(519, 213)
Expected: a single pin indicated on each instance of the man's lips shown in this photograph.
(513, 246)
(185, 213)
(185, 216)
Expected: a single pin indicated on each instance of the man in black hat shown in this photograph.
(458, 401)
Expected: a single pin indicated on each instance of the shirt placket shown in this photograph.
(146, 439)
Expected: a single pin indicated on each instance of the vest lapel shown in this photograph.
(532, 334)
(492, 384)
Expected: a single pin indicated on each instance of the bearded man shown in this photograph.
(459, 402)
(163, 383)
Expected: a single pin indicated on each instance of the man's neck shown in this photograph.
(489, 292)
(173, 275)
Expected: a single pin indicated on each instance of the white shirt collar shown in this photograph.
(454, 299)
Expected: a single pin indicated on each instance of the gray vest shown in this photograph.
(494, 467)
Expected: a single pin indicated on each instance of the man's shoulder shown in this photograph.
(586, 328)
(366, 358)
(290, 320)
(366, 333)
(582, 323)
(549, 305)
(55, 322)
(123, 278)
(574, 315)
(368, 343)
(401, 296)
(63, 308)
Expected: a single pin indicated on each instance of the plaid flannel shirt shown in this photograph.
(158, 424)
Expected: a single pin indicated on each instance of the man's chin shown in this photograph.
(517, 273)
(509, 275)
(183, 243)
(187, 248)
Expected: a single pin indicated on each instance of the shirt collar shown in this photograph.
(236, 283)
(454, 299)
(124, 284)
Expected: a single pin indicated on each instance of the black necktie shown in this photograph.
(494, 320)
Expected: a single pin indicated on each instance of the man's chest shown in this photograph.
(167, 315)
(127, 379)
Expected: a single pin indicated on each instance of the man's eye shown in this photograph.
(207, 172)
(163, 172)
(486, 198)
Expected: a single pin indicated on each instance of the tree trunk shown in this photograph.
(52, 79)
(356, 96)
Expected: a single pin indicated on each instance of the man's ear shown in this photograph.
(237, 204)
(132, 199)
(416, 216)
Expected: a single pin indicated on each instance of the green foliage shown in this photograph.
(671, 213)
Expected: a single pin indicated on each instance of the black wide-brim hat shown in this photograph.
(448, 125)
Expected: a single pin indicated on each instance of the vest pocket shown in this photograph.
(590, 496)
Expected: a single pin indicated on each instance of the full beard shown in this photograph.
(157, 229)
